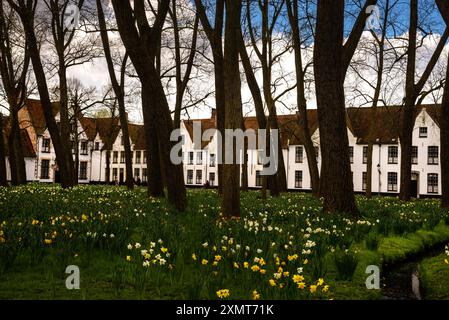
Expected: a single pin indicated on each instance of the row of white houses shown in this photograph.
(97, 137)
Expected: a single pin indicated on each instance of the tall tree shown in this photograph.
(14, 63)
(267, 56)
(412, 91)
(182, 79)
(119, 90)
(293, 15)
(443, 6)
(331, 61)
(3, 178)
(26, 9)
(214, 34)
(233, 109)
(141, 42)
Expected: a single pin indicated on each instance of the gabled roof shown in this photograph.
(36, 113)
(27, 146)
(385, 122)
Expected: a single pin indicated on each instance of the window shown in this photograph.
(122, 157)
(199, 158)
(144, 175)
(97, 146)
(365, 155)
(298, 179)
(432, 183)
(423, 132)
(189, 176)
(199, 177)
(122, 174)
(351, 154)
(392, 155)
(138, 155)
(114, 156)
(432, 155)
(212, 160)
(46, 145)
(83, 148)
(114, 174)
(299, 154)
(136, 173)
(83, 170)
(144, 157)
(364, 180)
(45, 169)
(414, 155)
(190, 157)
(392, 181)
(212, 178)
(258, 179)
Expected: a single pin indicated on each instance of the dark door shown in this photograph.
(57, 176)
(414, 188)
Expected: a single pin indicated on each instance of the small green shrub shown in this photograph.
(346, 263)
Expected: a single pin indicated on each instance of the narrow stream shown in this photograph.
(401, 281)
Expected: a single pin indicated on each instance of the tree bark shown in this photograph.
(119, 91)
(142, 51)
(63, 152)
(336, 178)
(233, 108)
(3, 178)
(17, 161)
(444, 142)
(215, 37)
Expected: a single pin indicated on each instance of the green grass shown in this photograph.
(44, 228)
(435, 277)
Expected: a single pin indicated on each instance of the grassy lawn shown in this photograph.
(435, 276)
(128, 246)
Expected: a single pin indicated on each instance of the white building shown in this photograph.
(97, 137)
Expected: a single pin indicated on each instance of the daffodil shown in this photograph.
(301, 285)
(256, 295)
(194, 257)
(255, 268)
(204, 262)
(313, 288)
(128, 258)
(223, 293)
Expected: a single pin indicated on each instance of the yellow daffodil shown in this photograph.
(204, 262)
(297, 278)
(245, 265)
(446, 261)
(292, 257)
(128, 258)
(263, 271)
(312, 288)
(193, 256)
(223, 293)
(306, 261)
(48, 241)
(301, 285)
(320, 282)
(272, 282)
(255, 268)
(236, 265)
(217, 258)
(164, 250)
(325, 288)
(256, 295)
(262, 262)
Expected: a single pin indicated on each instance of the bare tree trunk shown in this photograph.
(444, 142)
(3, 178)
(119, 91)
(108, 167)
(63, 154)
(142, 51)
(443, 6)
(336, 180)
(155, 185)
(215, 37)
(301, 98)
(233, 108)
(17, 160)
(244, 186)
